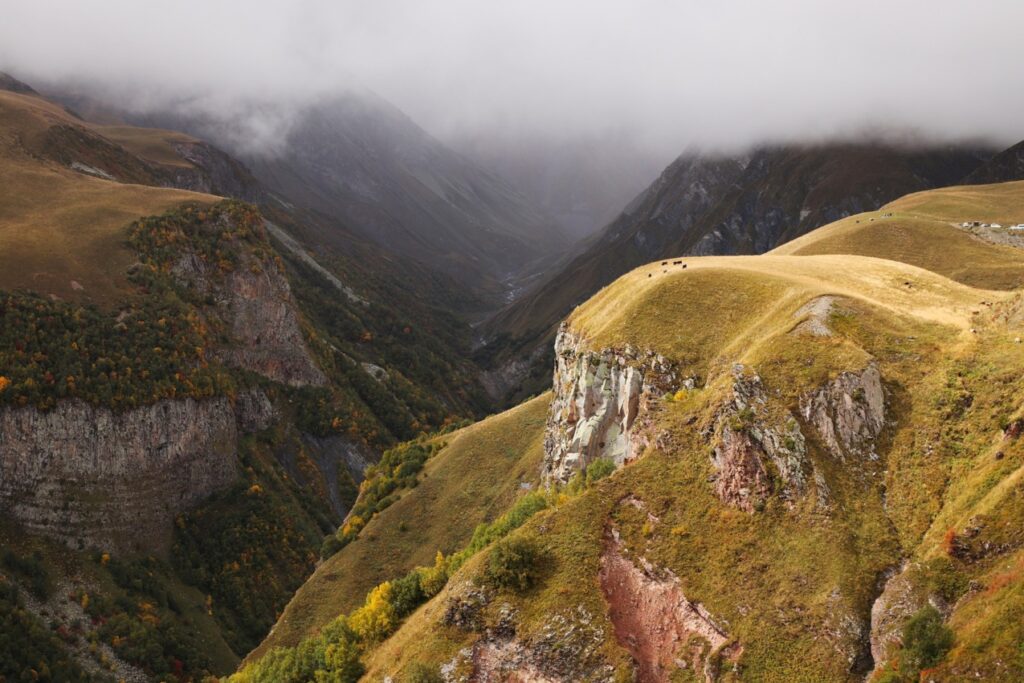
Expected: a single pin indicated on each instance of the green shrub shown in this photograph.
(485, 534)
(421, 673)
(407, 594)
(31, 570)
(514, 564)
(29, 651)
(330, 546)
(599, 469)
(926, 640)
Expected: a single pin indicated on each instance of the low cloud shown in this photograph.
(674, 73)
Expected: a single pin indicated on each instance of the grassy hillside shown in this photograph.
(64, 232)
(713, 204)
(922, 229)
(472, 480)
(151, 144)
(943, 499)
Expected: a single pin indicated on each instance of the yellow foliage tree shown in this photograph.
(433, 579)
(376, 619)
(4, 383)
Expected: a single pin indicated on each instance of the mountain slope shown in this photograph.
(779, 557)
(59, 225)
(726, 205)
(925, 229)
(475, 477)
(1006, 166)
(188, 399)
(358, 159)
(817, 476)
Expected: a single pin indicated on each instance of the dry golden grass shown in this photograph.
(720, 308)
(57, 226)
(997, 203)
(922, 231)
(473, 480)
(151, 144)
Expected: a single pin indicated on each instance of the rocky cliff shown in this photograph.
(759, 447)
(93, 477)
(255, 304)
(602, 404)
(606, 402)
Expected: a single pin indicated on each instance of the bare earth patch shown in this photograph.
(815, 317)
(661, 628)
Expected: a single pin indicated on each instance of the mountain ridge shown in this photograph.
(722, 205)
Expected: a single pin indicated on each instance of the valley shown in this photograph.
(360, 404)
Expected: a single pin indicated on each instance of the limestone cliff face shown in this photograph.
(848, 413)
(90, 476)
(602, 404)
(760, 446)
(93, 477)
(255, 303)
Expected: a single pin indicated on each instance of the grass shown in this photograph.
(787, 579)
(922, 231)
(473, 479)
(719, 309)
(58, 226)
(151, 144)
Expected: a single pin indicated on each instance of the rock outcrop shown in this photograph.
(751, 433)
(661, 628)
(214, 172)
(760, 447)
(848, 413)
(567, 648)
(902, 596)
(602, 404)
(255, 304)
(115, 480)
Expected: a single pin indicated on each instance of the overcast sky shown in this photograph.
(677, 73)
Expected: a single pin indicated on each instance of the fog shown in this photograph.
(673, 74)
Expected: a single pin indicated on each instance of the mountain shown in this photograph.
(803, 465)
(358, 160)
(581, 183)
(715, 205)
(1006, 166)
(189, 398)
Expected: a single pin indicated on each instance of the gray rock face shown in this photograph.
(601, 406)
(255, 303)
(254, 411)
(331, 454)
(91, 477)
(848, 413)
(750, 434)
(215, 172)
(902, 596)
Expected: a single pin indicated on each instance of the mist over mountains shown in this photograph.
(630, 340)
